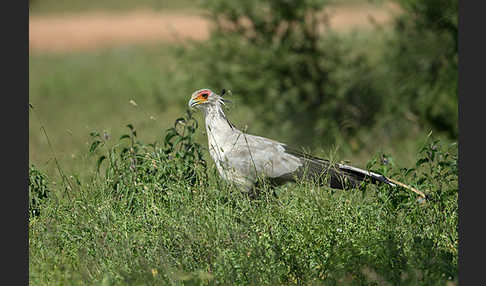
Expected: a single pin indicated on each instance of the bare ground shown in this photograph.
(87, 31)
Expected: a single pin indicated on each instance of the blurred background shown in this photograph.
(348, 78)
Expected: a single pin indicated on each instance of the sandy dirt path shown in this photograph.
(75, 32)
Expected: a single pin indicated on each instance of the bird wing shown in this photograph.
(254, 156)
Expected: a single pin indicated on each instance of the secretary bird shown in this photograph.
(243, 159)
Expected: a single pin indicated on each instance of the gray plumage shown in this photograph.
(243, 159)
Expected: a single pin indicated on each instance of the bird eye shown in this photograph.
(204, 95)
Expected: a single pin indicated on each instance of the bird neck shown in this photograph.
(216, 120)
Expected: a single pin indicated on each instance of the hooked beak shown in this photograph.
(193, 103)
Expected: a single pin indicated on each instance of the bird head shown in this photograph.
(205, 97)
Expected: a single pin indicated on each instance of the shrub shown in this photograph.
(38, 190)
(275, 56)
(423, 59)
(282, 59)
(136, 166)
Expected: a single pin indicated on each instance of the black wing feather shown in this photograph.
(339, 176)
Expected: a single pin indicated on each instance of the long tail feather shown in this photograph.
(343, 176)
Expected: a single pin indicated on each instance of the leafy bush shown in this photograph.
(423, 59)
(38, 190)
(281, 59)
(139, 166)
(275, 56)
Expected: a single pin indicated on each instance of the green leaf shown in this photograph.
(421, 180)
(178, 140)
(407, 171)
(421, 161)
(132, 129)
(169, 136)
(94, 134)
(124, 136)
(94, 145)
(100, 160)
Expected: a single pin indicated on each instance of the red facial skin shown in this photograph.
(203, 95)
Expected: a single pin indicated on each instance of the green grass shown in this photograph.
(156, 215)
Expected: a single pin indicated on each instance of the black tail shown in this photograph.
(339, 176)
(358, 175)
